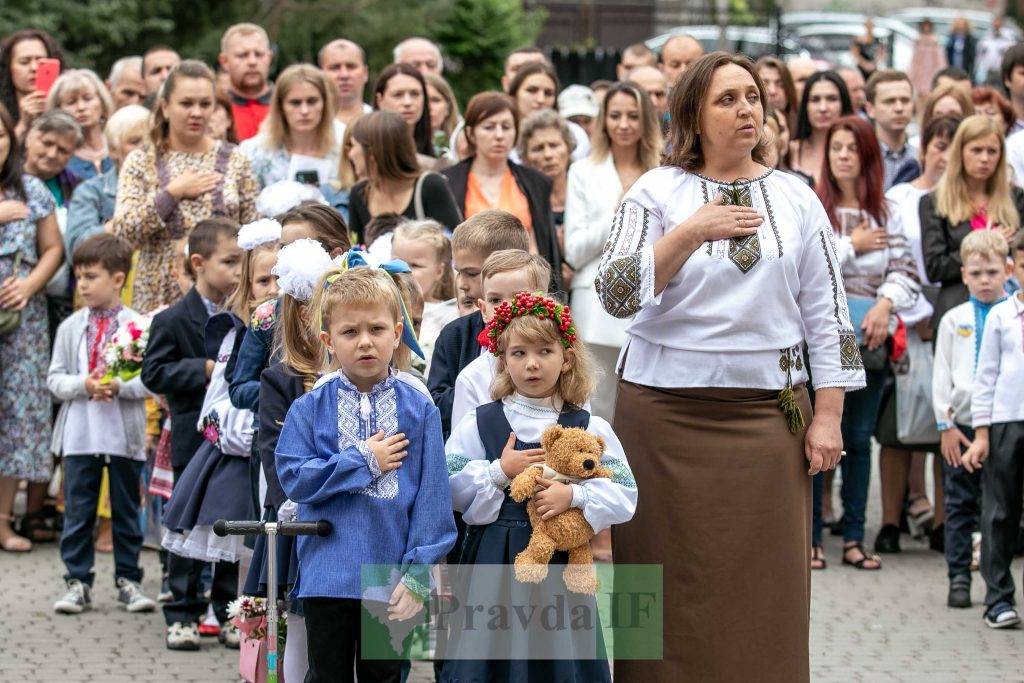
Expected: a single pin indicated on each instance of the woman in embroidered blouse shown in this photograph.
(179, 179)
(728, 279)
(881, 280)
(30, 253)
(626, 144)
(80, 93)
(489, 180)
(825, 99)
(974, 193)
(298, 133)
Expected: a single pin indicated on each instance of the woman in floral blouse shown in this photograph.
(181, 178)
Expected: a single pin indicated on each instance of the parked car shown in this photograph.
(753, 41)
(828, 35)
(942, 20)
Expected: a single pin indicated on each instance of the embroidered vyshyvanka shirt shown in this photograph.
(401, 517)
(738, 312)
(478, 486)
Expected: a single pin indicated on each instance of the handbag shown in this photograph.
(915, 419)
(10, 320)
(417, 197)
(878, 357)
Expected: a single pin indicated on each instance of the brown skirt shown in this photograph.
(725, 507)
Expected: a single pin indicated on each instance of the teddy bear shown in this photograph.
(571, 455)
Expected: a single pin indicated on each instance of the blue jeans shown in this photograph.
(82, 477)
(962, 490)
(860, 414)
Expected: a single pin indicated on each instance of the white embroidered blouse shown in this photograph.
(478, 486)
(739, 311)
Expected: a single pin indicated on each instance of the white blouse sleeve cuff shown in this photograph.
(498, 477)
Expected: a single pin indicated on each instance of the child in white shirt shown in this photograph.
(997, 409)
(957, 341)
(101, 423)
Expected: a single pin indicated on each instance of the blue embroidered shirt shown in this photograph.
(402, 517)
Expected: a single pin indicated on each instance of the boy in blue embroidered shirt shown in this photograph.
(364, 451)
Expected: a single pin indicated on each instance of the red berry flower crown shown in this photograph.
(521, 305)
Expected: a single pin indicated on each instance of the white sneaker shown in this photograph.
(181, 636)
(76, 600)
(129, 594)
(228, 636)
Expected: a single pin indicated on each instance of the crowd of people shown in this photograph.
(369, 305)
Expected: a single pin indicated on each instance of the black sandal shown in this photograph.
(818, 561)
(859, 564)
(35, 528)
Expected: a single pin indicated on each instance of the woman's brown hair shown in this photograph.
(483, 106)
(686, 106)
(330, 228)
(190, 68)
(423, 136)
(949, 90)
(390, 154)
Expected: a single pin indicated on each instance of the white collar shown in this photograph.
(534, 407)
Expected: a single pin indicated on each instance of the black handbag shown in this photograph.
(876, 358)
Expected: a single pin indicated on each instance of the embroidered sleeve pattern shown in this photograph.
(849, 351)
(625, 279)
(621, 473)
(456, 462)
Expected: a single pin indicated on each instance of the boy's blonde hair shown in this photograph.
(575, 385)
(241, 302)
(987, 243)
(489, 231)
(507, 260)
(432, 233)
(360, 286)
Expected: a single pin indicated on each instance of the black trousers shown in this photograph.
(188, 604)
(333, 640)
(962, 491)
(1002, 489)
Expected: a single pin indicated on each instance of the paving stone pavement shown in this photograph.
(891, 625)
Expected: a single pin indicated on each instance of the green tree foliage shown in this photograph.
(478, 34)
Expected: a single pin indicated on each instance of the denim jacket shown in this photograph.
(91, 206)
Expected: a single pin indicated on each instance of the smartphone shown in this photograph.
(310, 177)
(47, 71)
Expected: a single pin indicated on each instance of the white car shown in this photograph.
(942, 19)
(830, 40)
(753, 41)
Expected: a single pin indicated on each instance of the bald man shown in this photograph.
(655, 84)
(420, 54)
(677, 54)
(345, 62)
(801, 68)
(854, 81)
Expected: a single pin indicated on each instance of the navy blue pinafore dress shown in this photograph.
(498, 543)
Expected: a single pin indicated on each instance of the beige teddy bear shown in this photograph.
(571, 455)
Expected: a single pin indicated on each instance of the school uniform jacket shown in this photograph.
(455, 348)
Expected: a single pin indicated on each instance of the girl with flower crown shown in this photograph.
(215, 484)
(544, 373)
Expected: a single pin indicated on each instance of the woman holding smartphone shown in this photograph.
(297, 140)
(20, 57)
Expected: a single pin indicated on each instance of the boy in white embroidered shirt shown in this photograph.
(985, 270)
(997, 409)
(504, 273)
(102, 423)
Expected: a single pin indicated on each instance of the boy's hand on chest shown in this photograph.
(389, 451)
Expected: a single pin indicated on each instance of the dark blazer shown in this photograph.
(175, 365)
(908, 171)
(279, 387)
(940, 246)
(455, 348)
(970, 49)
(537, 188)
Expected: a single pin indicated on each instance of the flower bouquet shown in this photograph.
(249, 614)
(123, 353)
